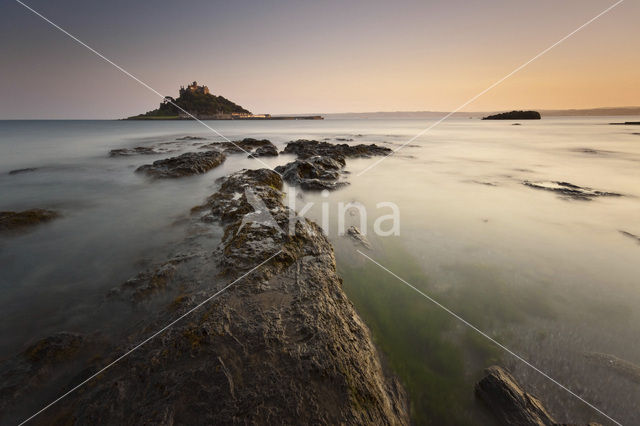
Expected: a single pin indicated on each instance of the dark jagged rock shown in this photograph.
(313, 173)
(569, 190)
(21, 171)
(515, 115)
(190, 163)
(247, 145)
(309, 148)
(510, 404)
(265, 151)
(319, 164)
(283, 345)
(16, 222)
(358, 237)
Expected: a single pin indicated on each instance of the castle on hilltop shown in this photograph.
(194, 88)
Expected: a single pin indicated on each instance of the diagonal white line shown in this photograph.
(489, 88)
(500, 345)
(136, 347)
(136, 79)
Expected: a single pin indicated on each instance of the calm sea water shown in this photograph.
(553, 279)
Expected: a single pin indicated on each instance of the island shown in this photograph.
(515, 115)
(197, 102)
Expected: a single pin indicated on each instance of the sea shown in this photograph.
(469, 266)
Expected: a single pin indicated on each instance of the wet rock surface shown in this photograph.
(17, 222)
(358, 237)
(512, 405)
(570, 191)
(319, 164)
(188, 164)
(309, 148)
(247, 145)
(509, 403)
(313, 173)
(265, 151)
(139, 150)
(281, 345)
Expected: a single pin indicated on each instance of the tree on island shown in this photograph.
(515, 115)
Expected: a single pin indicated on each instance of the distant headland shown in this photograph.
(197, 102)
(514, 115)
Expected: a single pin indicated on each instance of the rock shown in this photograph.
(625, 368)
(284, 345)
(139, 150)
(630, 235)
(344, 139)
(515, 115)
(509, 403)
(358, 236)
(627, 123)
(246, 145)
(313, 173)
(309, 148)
(190, 163)
(191, 138)
(265, 151)
(569, 190)
(20, 171)
(15, 222)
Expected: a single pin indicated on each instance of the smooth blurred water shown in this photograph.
(551, 278)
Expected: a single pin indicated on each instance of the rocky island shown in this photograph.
(198, 102)
(515, 115)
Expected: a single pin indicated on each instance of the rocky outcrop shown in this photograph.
(309, 148)
(627, 123)
(138, 150)
(281, 345)
(319, 164)
(16, 222)
(190, 163)
(313, 173)
(247, 145)
(510, 404)
(265, 151)
(570, 191)
(515, 115)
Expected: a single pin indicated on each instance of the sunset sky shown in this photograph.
(328, 56)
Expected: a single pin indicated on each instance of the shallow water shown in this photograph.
(552, 278)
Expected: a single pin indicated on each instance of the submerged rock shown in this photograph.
(191, 138)
(15, 222)
(313, 173)
(139, 150)
(21, 171)
(190, 163)
(569, 190)
(625, 368)
(515, 115)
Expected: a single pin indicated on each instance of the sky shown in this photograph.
(295, 56)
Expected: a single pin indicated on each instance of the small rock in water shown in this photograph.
(14, 222)
(358, 236)
(191, 138)
(569, 190)
(191, 163)
(630, 235)
(20, 171)
(264, 151)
